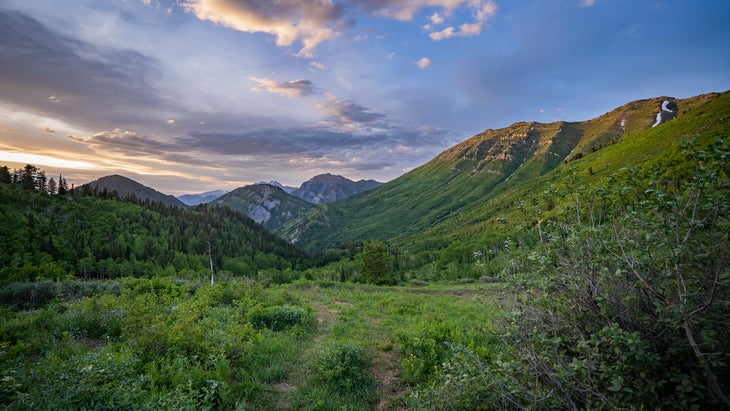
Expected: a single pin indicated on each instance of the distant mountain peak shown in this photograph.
(266, 203)
(126, 187)
(328, 188)
(201, 198)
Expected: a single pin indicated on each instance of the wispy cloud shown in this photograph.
(126, 142)
(76, 77)
(587, 3)
(291, 89)
(346, 114)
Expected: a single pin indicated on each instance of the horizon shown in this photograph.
(197, 95)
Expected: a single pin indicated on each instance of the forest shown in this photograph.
(615, 296)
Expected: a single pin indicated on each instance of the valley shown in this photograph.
(567, 265)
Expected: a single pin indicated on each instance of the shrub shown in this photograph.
(279, 317)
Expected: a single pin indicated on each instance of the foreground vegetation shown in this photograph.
(161, 343)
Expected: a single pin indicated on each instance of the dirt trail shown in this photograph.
(326, 318)
(385, 361)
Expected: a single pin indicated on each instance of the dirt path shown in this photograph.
(326, 318)
(387, 373)
(385, 361)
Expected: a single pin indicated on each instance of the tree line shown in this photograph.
(52, 231)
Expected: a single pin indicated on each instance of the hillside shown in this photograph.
(478, 170)
(328, 188)
(126, 188)
(264, 203)
(54, 235)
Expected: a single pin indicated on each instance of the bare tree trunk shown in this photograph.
(210, 259)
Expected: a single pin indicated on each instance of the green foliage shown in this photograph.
(341, 379)
(623, 297)
(148, 343)
(376, 264)
(54, 236)
(344, 368)
(279, 318)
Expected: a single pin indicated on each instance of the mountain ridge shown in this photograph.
(126, 187)
(467, 175)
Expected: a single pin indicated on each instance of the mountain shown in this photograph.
(202, 198)
(287, 189)
(266, 204)
(489, 168)
(328, 188)
(126, 187)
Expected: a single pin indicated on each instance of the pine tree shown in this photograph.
(5, 176)
(51, 186)
(27, 177)
(62, 186)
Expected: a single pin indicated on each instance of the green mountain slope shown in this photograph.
(266, 204)
(497, 163)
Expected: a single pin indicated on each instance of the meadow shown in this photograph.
(166, 343)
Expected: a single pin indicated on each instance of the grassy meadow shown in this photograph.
(163, 343)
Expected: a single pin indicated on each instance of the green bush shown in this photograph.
(279, 317)
(96, 317)
(341, 380)
(344, 367)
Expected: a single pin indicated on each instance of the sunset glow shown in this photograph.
(198, 95)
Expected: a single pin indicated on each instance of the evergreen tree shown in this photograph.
(5, 176)
(51, 186)
(62, 186)
(27, 177)
(41, 182)
(376, 264)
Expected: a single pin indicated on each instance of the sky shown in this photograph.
(188, 96)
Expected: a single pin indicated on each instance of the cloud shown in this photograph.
(318, 148)
(436, 18)
(443, 34)
(587, 3)
(405, 9)
(291, 89)
(310, 22)
(481, 11)
(346, 114)
(423, 63)
(47, 129)
(84, 82)
(126, 142)
(317, 65)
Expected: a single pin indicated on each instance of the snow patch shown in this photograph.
(623, 123)
(658, 119)
(665, 106)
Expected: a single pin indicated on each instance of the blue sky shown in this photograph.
(193, 95)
